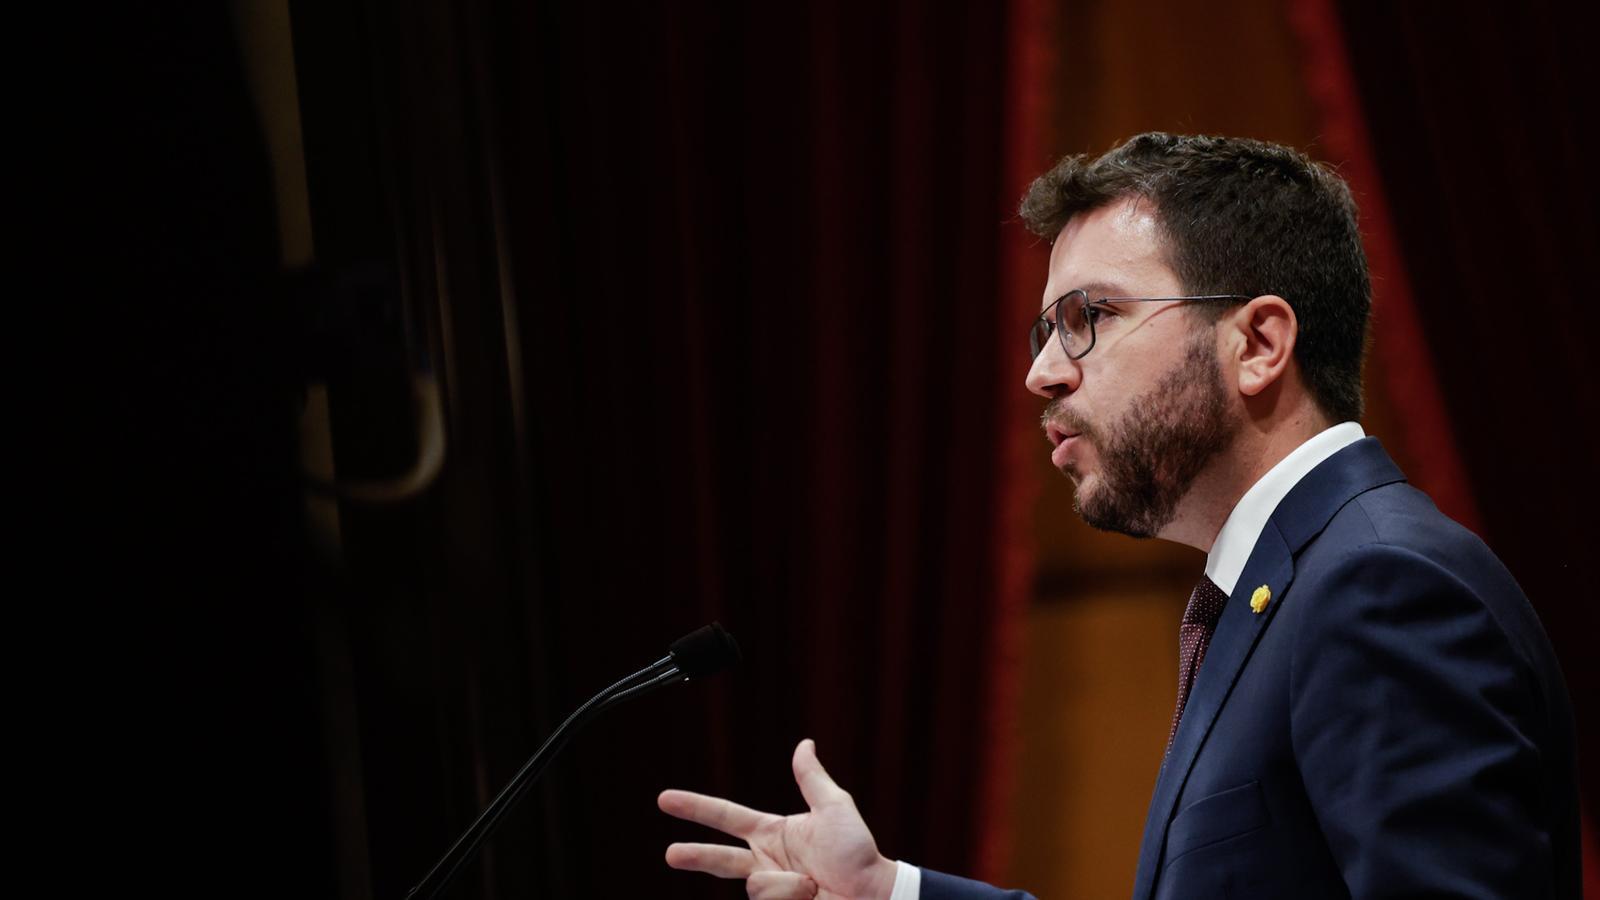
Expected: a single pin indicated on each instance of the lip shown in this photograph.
(1063, 450)
(1063, 441)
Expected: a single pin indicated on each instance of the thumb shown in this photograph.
(815, 785)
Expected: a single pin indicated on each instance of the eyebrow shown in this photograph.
(1098, 289)
(1095, 290)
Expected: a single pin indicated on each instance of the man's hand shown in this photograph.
(826, 853)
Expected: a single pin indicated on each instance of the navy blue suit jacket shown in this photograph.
(1392, 724)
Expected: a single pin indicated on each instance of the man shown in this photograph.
(1367, 704)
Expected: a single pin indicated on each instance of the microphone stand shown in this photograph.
(659, 674)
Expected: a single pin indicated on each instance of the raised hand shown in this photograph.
(826, 853)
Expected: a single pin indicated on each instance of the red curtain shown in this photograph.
(741, 350)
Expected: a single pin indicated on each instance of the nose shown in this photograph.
(1052, 373)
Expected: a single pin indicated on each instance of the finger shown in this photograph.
(815, 784)
(713, 859)
(771, 885)
(714, 812)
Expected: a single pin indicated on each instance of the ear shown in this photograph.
(1264, 331)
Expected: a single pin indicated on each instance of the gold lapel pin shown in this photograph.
(1260, 599)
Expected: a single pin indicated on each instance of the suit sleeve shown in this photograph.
(1412, 719)
(939, 886)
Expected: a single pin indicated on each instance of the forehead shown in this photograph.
(1116, 248)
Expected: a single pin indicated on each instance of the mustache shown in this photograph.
(1057, 413)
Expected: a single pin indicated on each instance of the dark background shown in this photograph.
(719, 300)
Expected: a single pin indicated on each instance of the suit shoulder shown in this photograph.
(1397, 521)
(1390, 555)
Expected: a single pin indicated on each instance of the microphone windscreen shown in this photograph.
(705, 651)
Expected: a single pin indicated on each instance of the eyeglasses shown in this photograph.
(1072, 318)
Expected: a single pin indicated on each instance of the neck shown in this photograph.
(1256, 448)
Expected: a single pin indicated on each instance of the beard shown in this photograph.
(1152, 455)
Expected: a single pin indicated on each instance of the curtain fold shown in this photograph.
(769, 369)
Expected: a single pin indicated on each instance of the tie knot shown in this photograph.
(1205, 605)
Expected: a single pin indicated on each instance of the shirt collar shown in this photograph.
(1231, 550)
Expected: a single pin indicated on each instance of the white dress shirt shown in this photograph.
(1229, 552)
(908, 883)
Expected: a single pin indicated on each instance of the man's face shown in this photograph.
(1137, 419)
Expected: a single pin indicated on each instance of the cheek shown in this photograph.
(1099, 399)
(1119, 387)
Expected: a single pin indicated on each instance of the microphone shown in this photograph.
(700, 653)
(705, 651)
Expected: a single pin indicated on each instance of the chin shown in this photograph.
(1103, 510)
(1084, 487)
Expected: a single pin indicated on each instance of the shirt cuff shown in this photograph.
(907, 882)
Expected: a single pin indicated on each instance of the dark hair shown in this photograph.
(1240, 216)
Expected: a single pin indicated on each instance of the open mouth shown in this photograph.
(1063, 439)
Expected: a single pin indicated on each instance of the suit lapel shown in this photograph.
(1272, 564)
(1302, 514)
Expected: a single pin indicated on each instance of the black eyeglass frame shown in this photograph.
(1036, 345)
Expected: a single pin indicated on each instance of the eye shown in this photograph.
(1098, 311)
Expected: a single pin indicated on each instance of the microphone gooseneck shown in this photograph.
(704, 651)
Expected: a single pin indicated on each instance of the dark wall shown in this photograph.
(189, 736)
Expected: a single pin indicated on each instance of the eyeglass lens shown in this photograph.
(1068, 314)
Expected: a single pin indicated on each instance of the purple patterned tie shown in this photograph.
(1194, 635)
